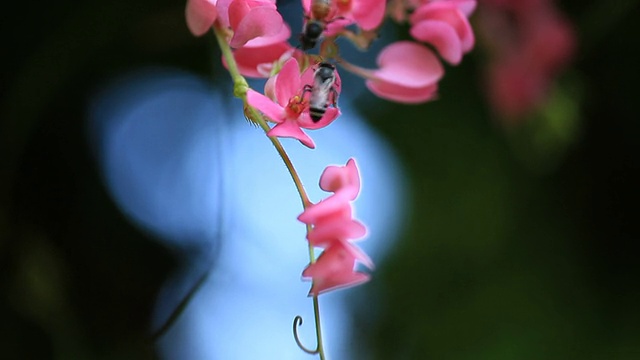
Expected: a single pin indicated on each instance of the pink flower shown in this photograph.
(530, 43)
(332, 228)
(344, 182)
(334, 269)
(290, 109)
(200, 15)
(342, 179)
(408, 73)
(445, 26)
(332, 220)
(515, 88)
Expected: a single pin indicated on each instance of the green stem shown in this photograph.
(364, 73)
(240, 88)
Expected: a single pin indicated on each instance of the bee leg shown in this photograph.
(306, 89)
(334, 97)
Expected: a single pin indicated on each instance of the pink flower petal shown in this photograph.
(270, 109)
(223, 12)
(449, 13)
(466, 6)
(336, 26)
(287, 82)
(442, 36)
(338, 281)
(409, 64)
(258, 62)
(334, 269)
(200, 15)
(368, 14)
(258, 22)
(238, 10)
(345, 179)
(335, 205)
(329, 116)
(290, 129)
(402, 94)
(358, 254)
(339, 229)
(281, 35)
(270, 88)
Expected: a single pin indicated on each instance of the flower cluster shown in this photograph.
(530, 42)
(302, 89)
(332, 228)
(408, 70)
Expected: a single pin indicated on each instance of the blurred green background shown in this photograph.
(522, 243)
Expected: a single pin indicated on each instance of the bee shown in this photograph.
(315, 25)
(323, 91)
(311, 33)
(320, 9)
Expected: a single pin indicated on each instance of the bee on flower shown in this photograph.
(323, 91)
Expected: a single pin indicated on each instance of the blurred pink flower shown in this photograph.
(368, 14)
(530, 43)
(515, 88)
(200, 15)
(290, 110)
(334, 269)
(408, 73)
(444, 25)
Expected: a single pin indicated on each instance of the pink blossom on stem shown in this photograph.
(408, 73)
(445, 26)
(332, 228)
(290, 110)
(200, 15)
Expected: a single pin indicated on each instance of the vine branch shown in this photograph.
(240, 88)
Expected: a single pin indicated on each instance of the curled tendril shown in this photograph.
(297, 321)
